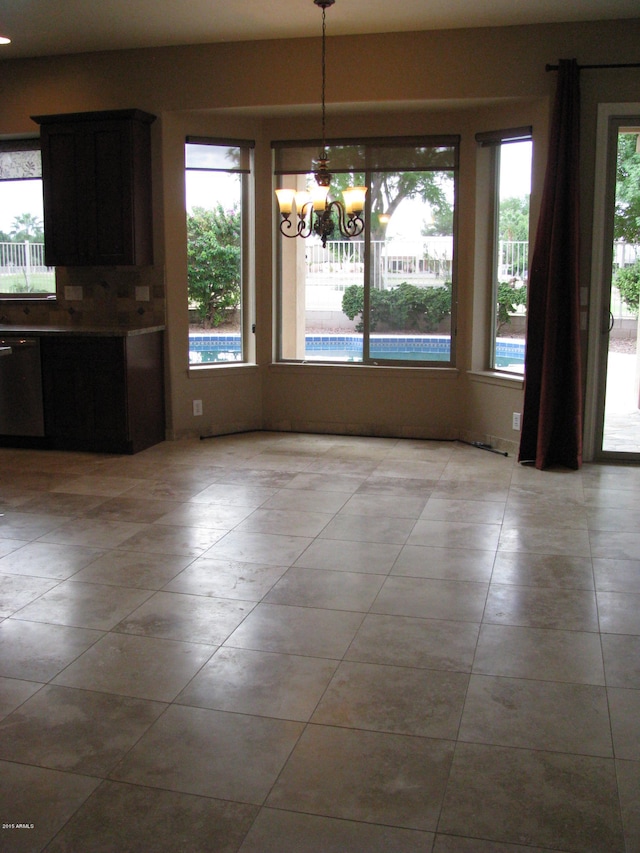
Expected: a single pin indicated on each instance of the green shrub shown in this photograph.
(509, 298)
(401, 308)
(627, 281)
(214, 262)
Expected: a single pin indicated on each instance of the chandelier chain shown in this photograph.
(324, 81)
(317, 214)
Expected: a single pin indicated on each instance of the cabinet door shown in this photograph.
(65, 188)
(85, 393)
(112, 239)
(97, 189)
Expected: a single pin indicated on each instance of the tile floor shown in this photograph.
(277, 643)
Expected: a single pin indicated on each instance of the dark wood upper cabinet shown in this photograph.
(96, 172)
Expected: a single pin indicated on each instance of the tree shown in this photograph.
(389, 189)
(626, 218)
(513, 223)
(26, 226)
(627, 281)
(214, 262)
(441, 224)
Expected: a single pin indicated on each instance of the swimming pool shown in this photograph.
(400, 347)
(210, 348)
(205, 349)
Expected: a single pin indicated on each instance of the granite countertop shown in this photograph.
(77, 331)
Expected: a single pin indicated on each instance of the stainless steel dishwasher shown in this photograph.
(21, 407)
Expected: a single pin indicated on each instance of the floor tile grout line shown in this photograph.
(388, 573)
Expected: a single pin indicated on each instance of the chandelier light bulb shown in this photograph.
(319, 195)
(303, 197)
(354, 199)
(285, 200)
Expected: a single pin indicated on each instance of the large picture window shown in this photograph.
(23, 273)
(217, 175)
(388, 296)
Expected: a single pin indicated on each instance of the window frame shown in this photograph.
(494, 140)
(367, 168)
(247, 241)
(7, 147)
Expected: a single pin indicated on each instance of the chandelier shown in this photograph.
(313, 208)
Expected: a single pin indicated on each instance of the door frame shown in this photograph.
(601, 237)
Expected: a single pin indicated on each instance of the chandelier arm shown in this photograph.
(354, 226)
(302, 228)
(350, 225)
(305, 220)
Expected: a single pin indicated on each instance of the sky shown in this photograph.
(202, 186)
(515, 170)
(17, 197)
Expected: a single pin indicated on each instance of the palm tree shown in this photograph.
(26, 226)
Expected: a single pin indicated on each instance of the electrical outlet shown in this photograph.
(515, 423)
(73, 292)
(197, 407)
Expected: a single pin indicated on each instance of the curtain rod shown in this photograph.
(582, 67)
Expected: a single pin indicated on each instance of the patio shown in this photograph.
(622, 416)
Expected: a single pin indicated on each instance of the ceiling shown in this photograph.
(46, 27)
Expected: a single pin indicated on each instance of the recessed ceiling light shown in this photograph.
(4, 40)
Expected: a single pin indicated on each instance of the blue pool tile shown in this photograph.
(346, 345)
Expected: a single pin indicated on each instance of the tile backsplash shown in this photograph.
(96, 296)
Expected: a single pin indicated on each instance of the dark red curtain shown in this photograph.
(552, 413)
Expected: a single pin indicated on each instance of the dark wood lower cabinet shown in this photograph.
(103, 394)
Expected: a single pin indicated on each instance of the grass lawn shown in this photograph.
(39, 282)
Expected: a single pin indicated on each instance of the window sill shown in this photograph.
(221, 365)
(28, 297)
(341, 367)
(495, 377)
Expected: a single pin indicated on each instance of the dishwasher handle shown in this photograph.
(18, 343)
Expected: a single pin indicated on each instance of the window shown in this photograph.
(23, 273)
(217, 175)
(511, 151)
(388, 296)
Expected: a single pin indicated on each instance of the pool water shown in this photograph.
(210, 348)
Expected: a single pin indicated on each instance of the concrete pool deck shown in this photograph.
(622, 416)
